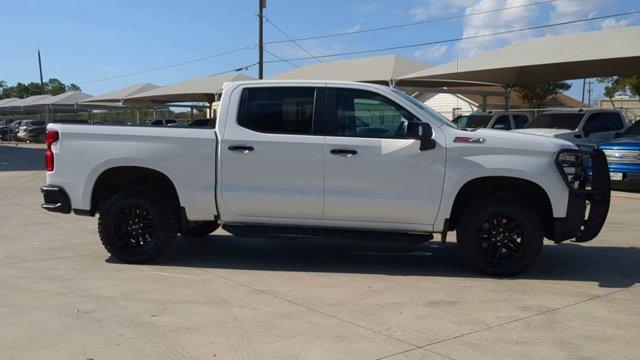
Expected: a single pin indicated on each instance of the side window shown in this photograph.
(278, 110)
(520, 121)
(613, 121)
(502, 122)
(156, 122)
(171, 121)
(360, 113)
(596, 123)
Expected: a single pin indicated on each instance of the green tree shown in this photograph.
(73, 87)
(536, 95)
(618, 85)
(54, 87)
(21, 90)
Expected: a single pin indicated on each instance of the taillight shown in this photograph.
(52, 137)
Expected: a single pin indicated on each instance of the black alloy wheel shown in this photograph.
(135, 228)
(500, 238)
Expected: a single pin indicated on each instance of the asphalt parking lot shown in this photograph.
(222, 297)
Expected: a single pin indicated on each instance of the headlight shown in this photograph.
(623, 156)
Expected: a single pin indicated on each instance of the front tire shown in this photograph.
(500, 235)
(137, 226)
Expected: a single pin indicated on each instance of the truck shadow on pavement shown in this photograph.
(610, 267)
(17, 158)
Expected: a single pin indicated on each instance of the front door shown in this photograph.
(373, 172)
(272, 164)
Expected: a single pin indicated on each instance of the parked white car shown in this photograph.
(327, 159)
(586, 128)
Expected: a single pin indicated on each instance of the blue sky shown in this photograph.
(82, 41)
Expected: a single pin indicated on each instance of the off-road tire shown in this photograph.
(473, 246)
(164, 218)
(201, 230)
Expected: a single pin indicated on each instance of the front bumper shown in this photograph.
(587, 178)
(55, 199)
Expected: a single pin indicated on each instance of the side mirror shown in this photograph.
(421, 131)
(500, 127)
(577, 136)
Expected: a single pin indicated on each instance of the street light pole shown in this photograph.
(262, 4)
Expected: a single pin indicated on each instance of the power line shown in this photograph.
(426, 21)
(281, 58)
(463, 38)
(292, 40)
(167, 66)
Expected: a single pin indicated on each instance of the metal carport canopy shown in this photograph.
(382, 69)
(69, 99)
(574, 56)
(117, 96)
(202, 89)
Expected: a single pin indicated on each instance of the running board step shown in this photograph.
(319, 233)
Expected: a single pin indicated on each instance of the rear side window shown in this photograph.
(502, 122)
(601, 122)
(567, 121)
(478, 121)
(278, 110)
(520, 121)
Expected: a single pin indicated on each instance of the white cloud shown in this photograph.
(431, 52)
(611, 23)
(435, 8)
(495, 22)
(568, 10)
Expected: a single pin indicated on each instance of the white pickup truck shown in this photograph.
(327, 160)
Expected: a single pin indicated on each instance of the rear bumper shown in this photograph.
(55, 199)
(589, 196)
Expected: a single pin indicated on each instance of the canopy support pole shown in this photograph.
(507, 97)
(483, 106)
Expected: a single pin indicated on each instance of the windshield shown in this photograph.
(475, 121)
(431, 114)
(633, 130)
(567, 121)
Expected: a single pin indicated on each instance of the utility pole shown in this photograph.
(41, 80)
(589, 91)
(262, 4)
(584, 83)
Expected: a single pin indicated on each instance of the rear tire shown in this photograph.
(137, 226)
(201, 229)
(500, 235)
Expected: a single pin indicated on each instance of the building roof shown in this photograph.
(554, 58)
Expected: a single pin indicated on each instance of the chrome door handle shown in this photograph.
(240, 148)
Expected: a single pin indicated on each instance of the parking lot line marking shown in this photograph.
(490, 327)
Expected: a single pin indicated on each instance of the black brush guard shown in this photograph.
(586, 174)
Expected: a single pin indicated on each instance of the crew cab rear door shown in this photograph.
(374, 173)
(272, 161)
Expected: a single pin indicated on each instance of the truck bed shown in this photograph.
(186, 156)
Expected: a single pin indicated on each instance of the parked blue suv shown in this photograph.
(623, 155)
